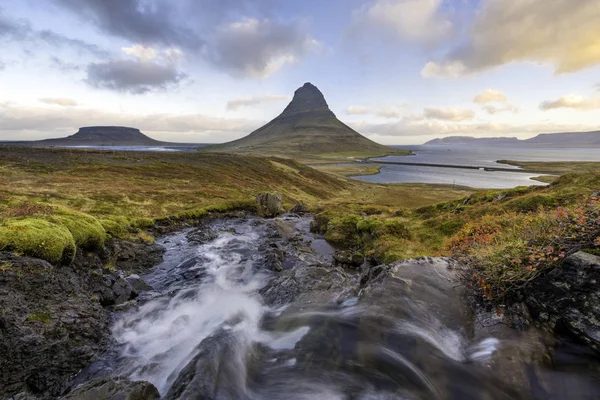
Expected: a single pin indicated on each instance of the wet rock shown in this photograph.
(213, 373)
(201, 235)
(117, 290)
(349, 258)
(135, 256)
(138, 283)
(50, 325)
(269, 204)
(114, 389)
(568, 298)
(299, 209)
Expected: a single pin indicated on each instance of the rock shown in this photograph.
(349, 258)
(500, 197)
(269, 204)
(299, 209)
(50, 325)
(135, 256)
(117, 290)
(201, 235)
(114, 389)
(568, 298)
(138, 283)
(212, 373)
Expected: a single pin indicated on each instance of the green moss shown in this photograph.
(42, 317)
(39, 238)
(87, 232)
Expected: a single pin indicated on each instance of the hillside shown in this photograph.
(567, 139)
(306, 127)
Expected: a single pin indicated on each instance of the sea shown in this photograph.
(482, 157)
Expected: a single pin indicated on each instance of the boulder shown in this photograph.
(349, 258)
(568, 298)
(299, 209)
(201, 235)
(269, 204)
(114, 389)
(118, 290)
(137, 283)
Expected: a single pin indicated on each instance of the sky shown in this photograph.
(208, 71)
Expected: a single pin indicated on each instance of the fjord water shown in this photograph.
(484, 157)
(219, 324)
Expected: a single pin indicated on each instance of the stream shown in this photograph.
(248, 308)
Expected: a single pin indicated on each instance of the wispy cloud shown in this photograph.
(255, 101)
(575, 102)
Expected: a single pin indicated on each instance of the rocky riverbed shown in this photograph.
(252, 308)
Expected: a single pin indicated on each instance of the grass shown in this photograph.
(54, 200)
(554, 169)
(349, 170)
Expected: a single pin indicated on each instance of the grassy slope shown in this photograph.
(45, 191)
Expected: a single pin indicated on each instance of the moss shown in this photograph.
(87, 231)
(530, 203)
(39, 238)
(42, 317)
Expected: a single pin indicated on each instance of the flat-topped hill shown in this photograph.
(306, 127)
(103, 136)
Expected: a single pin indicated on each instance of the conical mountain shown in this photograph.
(306, 126)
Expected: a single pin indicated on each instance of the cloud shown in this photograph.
(490, 96)
(138, 21)
(452, 69)
(22, 123)
(385, 112)
(254, 101)
(572, 101)
(562, 33)
(258, 48)
(21, 31)
(448, 114)
(133, 76)
(63, 102)
(491, 109)
(419, 21)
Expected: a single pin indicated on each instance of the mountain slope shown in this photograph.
(306, 126)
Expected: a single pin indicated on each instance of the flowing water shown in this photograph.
(220, 324)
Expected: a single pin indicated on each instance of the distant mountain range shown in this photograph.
(306, 127)
(568, 139)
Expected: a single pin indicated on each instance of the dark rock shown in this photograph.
(135, 256)
(269, 204)
(212, 373)
(114, 389)
(50, 325)
(299, 209)
(117, 290)
(568, 298)
(138, 283)
(201, 235)
(349, 258)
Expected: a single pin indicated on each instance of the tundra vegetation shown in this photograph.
(56, 201)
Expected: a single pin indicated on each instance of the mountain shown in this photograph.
(307, 126)
(567, 139)
(103, 136)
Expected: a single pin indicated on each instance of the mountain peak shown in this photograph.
(307, 126)
(307, 98)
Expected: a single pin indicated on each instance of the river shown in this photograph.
(224, 322)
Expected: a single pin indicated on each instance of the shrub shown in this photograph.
(39, 238)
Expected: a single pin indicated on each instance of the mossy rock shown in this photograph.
(36, 237)
(87, 231)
